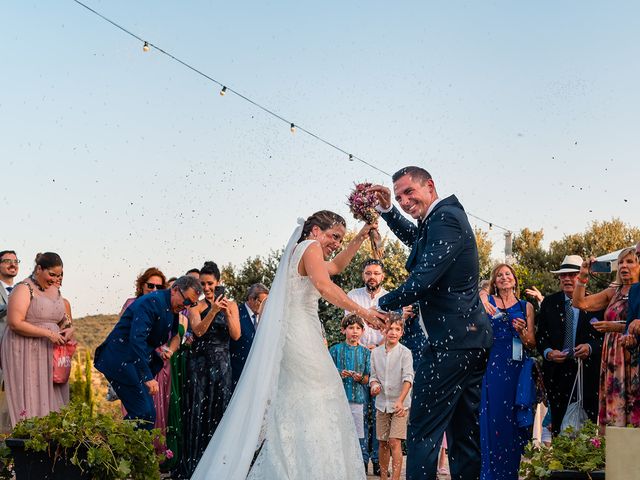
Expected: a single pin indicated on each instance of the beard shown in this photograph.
(372, 287)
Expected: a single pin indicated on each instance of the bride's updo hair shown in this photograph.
(324, 219)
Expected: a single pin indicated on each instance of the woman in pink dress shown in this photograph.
(37, 321)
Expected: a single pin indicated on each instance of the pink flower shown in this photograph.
(23, 414)
(168, 454)
(596, 442)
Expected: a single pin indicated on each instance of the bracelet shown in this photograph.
(580, 284)
(583, 280)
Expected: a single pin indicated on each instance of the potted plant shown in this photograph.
(75, 443)
(573, 455)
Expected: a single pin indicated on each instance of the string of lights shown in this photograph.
(224, 89)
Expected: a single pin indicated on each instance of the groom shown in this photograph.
(443, 279)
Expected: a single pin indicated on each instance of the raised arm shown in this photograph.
(446, 242)
(314, 266)
(401, 227)
(342, 259)
(592, 303)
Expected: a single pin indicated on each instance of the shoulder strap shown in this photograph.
(29, 287)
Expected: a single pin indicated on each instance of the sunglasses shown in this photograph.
(154, 286)
(187, 303)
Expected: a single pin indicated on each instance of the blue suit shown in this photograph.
(127, 358)
(443, 279)
(239, 349)
(633, 311)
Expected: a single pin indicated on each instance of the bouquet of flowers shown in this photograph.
(362, 204)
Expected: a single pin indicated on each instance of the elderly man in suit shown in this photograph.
(564, 334)
(443, 280)
(128, 357)
(9, 264)
(239, 349)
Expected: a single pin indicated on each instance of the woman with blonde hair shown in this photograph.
(619, 398)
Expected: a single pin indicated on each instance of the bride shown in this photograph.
(289, 406)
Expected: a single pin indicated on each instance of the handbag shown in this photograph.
(62, 361)
(575, 415)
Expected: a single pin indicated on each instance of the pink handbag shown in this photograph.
(62, 361)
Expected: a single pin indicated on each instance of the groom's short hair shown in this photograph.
(416, 173)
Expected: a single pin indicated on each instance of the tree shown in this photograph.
(253, 270)
(484, 252)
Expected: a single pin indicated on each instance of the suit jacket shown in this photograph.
(4, 300)
(443, 277)
(634, 303)
(128, 354)
(239, 349)
(550, 322)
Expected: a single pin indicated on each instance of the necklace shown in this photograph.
(33, 279)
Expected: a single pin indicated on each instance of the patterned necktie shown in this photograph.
(569, 341)
(254, 318)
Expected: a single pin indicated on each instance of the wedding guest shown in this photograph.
(150, 280)
(9, 264)
(128, 357)
(391, 381)
(35, 317)
(502, 438)
(170, 281)
(353, 363)
(619, 397)
(564, 333)
(249, 314)
(214, 322)
(633, 315)
(194, 272)
(367, 297)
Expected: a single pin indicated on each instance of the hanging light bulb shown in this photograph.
(223, 91)
(293, 128)
(490, 226)
(145, 47)
(350, 157)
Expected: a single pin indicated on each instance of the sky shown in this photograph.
(119, 159)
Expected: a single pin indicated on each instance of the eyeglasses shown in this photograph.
(10, 261)
(186, 302)
(154, 286)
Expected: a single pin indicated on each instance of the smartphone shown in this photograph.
(219, 290)
(601, 267)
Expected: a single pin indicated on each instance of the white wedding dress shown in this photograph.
(289, 402)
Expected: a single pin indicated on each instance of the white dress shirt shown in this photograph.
(252, 316)
(371, 337)
(391, 368)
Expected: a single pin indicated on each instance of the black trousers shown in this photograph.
(446, 397)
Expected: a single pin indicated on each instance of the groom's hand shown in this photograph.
(376, 319)
(383, 194)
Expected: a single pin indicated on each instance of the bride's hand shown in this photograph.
(363, 234)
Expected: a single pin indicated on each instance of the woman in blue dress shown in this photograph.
(502, 439)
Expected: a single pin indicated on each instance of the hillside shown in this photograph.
(93, 329)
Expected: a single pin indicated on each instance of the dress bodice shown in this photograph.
(502, 322)
(217, 335)
(617, 308)
(304, 294)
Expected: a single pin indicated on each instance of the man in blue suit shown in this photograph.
(443, 280)
(239, 349)
(128, 357)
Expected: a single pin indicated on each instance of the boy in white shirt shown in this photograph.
(390, 382)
